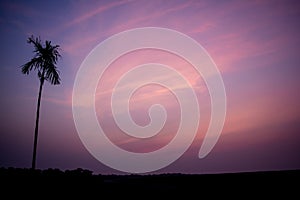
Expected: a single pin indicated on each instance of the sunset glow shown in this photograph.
(254, 44)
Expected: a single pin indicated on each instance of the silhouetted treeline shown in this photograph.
(48, 172)
(84, 182)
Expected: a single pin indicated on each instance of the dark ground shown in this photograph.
(54, 183)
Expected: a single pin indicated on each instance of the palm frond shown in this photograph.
(35, 63)
(52, 75)
(44, 61)
(36, 42)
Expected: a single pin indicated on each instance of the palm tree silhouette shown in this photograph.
(44, 61)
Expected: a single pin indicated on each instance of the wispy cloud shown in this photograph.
(96, 11)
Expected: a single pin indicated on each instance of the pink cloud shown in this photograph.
(130, 60)
(96, 11)
(74, 45)
(142, 17)
(228, 46)
(230, 49)
(145, 97)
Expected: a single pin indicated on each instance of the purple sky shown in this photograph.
(255, 45)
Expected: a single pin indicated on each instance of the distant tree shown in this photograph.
(44, 62)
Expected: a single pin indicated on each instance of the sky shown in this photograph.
(254, 44)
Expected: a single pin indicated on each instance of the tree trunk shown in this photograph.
(37, 124)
